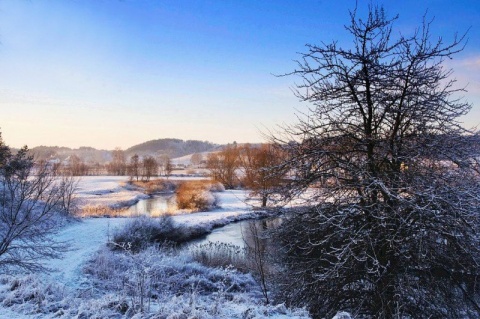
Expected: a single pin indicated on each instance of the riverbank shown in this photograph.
(71, 290)
(89, 234)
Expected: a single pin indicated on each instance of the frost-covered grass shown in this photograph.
(155, 283)
(217, 254)
(169, 283)
(102, 211)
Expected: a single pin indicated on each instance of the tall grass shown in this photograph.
(217, 254)
(198, 195)
(155, 186)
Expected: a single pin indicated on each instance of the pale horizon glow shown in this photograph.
(110, 73)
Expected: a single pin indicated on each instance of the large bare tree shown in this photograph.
(394, 223)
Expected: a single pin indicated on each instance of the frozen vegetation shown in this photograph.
(97, 278)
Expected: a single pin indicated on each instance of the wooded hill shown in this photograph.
(167, 146)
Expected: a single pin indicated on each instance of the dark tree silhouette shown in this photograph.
(393, 228)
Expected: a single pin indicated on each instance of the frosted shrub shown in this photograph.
(143, 231)
(139, 232)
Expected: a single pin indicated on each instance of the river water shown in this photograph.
(237, 233)
(241, 233)
(153, 207)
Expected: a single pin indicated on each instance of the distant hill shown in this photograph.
(167, 146)
(170, 146)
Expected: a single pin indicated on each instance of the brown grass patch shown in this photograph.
(155, 186)
(197, 195)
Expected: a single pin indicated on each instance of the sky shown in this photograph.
(115, 73)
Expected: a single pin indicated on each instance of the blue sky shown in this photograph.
(108, 73)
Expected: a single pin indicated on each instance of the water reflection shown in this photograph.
(153, 207)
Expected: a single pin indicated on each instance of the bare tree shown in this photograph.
(118, 164)
(68, 203)
(76, 166)
(134, 167)
(262, 173)
(223, 165)
(165, 165)
(29, 199)
(257, 253)
(149, 168)
(168, 167)
(393, 232)
(196, 159)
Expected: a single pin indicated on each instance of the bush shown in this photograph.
(143, 231)
(139, 232)
(197, 195)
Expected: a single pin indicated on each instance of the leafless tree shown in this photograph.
(393, 231)
(29, 200)
(165, 164)
(223, 165)
(168, 167)
(118, 164)
(76, 166)
(257, 253)
(196, 159)
(134, 167)
(262, 169)
(149, 168)
(68, 203)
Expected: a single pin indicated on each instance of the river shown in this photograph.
(234, 233)
(153, 207)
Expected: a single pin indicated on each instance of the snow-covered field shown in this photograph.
(106, 191)
(67, 292)
(89, 234)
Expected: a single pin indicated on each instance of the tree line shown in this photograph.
(136, 167)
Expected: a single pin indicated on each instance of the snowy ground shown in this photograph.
(88, 236)
(106, 191)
